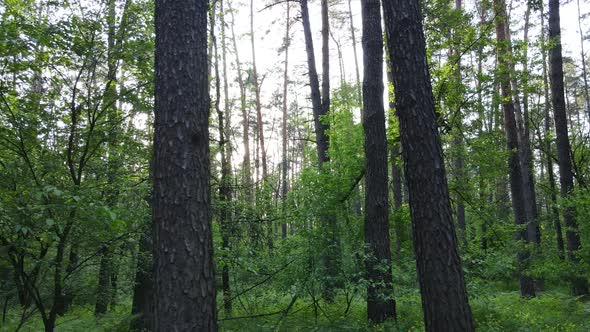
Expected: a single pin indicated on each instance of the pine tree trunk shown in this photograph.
(566, 178)
(442, 285)
(527, 286)
(183, 248)
(380, 303)
(316, 98)
(548, 154)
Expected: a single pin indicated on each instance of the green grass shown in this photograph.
(493, 311)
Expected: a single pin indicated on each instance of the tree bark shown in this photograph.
(380, 303)
(442, 285)
(183, 249)
(527, 287)
(320, 126)
(548, 156)
(566, 179)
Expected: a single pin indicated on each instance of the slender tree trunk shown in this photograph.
(320, 126)
(584, 67)
(183, 247)
(566, 179)
(533, 230)
(285, 164)
(442, 285)
(458, 145)
(246, 164)
(527, 287)
(142, 306)
(225, 189)
(548, 154)
(356, 61)
(224, 209)
(257, 86)
(104, 290)
(380, 303)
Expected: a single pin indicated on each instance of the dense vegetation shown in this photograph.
(233, 182)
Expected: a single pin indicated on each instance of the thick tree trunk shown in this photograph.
(183, 249)
(442, 285)
(566, 178)
(380, 303)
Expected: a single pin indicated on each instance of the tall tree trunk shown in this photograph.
(257, 86)
(458, 145)
(533, 230)
(285, 164)
(566, 179)
(442, 285)
(380, 303)
(321, 105)
(320, 126)
(183, 246)
(225, 189)
(356, 61)
(224, 209)
(246, 164)
(103, 294)
(548, 154)
(527, 287)
(584, 67)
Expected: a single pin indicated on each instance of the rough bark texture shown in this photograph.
(380, 304)
(183, 251)
(442, 285)
(527, 286)
(566, 178)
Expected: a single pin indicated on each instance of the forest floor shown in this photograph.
(552, 310)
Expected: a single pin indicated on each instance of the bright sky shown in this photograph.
(270, 29)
